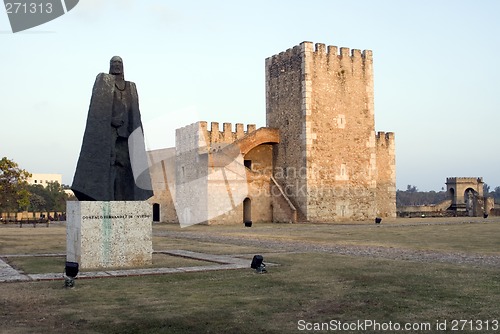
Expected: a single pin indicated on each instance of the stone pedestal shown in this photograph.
(109, 234)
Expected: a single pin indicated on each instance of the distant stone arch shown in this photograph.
(451, 192)
(465, 192)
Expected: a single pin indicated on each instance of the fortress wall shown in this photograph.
(216, 189)
(386, 175)
(191, 161)
(256, 187)
(321, 99)
(341, 153)
(259, 186)
(162, 173)
(226, 135)
(286, 109)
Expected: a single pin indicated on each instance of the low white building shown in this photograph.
(44, 179)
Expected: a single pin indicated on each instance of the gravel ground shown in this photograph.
(367, 251)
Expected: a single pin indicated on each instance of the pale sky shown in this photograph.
(436, 70)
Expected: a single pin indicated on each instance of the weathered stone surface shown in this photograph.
(109, 234)
(9, 274)
(162, 172)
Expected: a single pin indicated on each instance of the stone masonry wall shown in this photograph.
(256, 184)
(162, 172)
(212, 176)
(259, 182)
(386, 175)
(341, 153)
(286, 108)
(191, 162)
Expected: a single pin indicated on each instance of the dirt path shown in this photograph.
(367, 251)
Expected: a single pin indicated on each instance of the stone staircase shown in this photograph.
(283, 209)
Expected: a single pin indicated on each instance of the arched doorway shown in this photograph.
(247, 210)
(469, 196)
(156, 212)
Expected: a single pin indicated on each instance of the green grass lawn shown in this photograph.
(309, 287)
(312, 287)
(29, 240)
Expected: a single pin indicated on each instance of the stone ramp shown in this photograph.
(221, 259)
(9, 274)
(220, 262)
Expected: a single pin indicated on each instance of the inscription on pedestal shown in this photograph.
(109, 234)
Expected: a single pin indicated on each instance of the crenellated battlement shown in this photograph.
(199, 135)
(285, 55)
(216, 134)
(385, 138)
(332, 51)
(308, 57)
(320, 49)
(463, 179)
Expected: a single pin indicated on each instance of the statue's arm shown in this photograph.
(102, 82)
(103, 88)
(135, 96)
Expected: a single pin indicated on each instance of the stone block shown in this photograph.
(109, 234)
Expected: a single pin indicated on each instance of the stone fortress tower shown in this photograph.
(331, 163)
(318, 159)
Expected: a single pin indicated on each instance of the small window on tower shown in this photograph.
(342, 175)
(247, 163)
(341, 121)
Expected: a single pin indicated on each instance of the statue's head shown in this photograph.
(116, 66)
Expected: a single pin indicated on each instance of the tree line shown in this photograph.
(412, 196)
(17, 195)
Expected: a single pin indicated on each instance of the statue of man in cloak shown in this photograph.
(113, 164)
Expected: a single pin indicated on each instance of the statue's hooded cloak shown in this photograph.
(92, 180)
